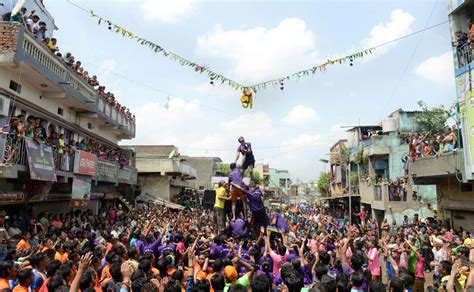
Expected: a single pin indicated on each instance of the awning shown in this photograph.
(339, 197)
(168, 204)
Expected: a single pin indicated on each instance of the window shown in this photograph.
(60, 111)
(282, 182)
(15, 86)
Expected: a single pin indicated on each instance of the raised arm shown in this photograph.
(83, 266)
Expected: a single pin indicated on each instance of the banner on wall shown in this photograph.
(85, 163)
(81, 191)
(40, 161)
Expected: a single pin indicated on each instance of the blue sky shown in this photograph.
(252, 41)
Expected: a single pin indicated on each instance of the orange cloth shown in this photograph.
(22, 245)
(235, 192)
(20, 288)
(4, 284)
(62, 257)
(105, 275)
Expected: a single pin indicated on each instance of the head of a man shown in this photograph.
(241, 140)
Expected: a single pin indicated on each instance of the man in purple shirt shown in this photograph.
(255, 200)
(239, 228)
(245, 148)
(237, 187)
(280, 222)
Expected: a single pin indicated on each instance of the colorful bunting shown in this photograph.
(246, 100)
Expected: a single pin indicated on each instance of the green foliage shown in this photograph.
(323, 183)
(358, 155)
(222, 169)
(257, 177)
(354, 178)
(433, 119)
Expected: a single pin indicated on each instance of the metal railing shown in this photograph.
(464, 54)
(14, 151)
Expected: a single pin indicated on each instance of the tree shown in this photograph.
(323, 183)
(222, 169)
(257, 177)
(433, 119)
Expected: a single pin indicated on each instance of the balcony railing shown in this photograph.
(20, 45)
(14, 153)
(464, 55)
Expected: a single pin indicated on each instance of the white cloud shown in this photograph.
(217, 90)
(438, 69)
(399, 24)
(257, 124)
(300, 115)
(260, 53)
(166, 10)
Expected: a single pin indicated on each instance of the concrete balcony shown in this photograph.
(163, 165)
(20, 50)
(429, 169)
(378, 145)
(109, 171)
(113, 118)
(178, 182)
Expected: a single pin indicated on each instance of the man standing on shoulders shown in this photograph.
(221, 197)
(245, 148)
(237, 189)
(255, 198)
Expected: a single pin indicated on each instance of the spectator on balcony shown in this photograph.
(68, 59)
(38, 138)
(93, 81)
(18, 17)
(43, 124)
(85, 75)
(29, 128)
(31, 22)
(52, 45)
(40, 30)
(45, 41)
(470, 32)
(76, 66)
(461, 39)
(83, 145)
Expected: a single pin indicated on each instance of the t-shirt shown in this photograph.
(238, 227)
(255, 200)
(420, 267)
(281, 223)
(22, 245)
(412, 262)
(278, 260)
(235, 177)
(244, 281)
(374, 265)
(20, 288)
(220, 203)
(4, 284)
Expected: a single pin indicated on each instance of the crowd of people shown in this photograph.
(37, 27)
(160, 249)
(36, 128)
(428, 144)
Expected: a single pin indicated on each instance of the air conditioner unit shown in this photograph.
(4, 105)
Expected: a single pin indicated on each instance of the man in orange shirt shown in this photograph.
(23, 244)
(8, 271)
(25, 278)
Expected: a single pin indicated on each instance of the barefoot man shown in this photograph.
(245, 148)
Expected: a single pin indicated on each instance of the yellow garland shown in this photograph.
(246, 99)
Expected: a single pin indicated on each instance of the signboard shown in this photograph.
(85, 163)
(81, 191)
(40, 161)
(11, 197)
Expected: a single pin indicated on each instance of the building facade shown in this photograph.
(43, 99)
(205, 169)
(377, 177)
(453, 172)
(162, 172)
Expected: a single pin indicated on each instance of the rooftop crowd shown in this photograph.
(38, 28)
(306, 248)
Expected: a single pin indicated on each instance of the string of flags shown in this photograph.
(247, 90)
